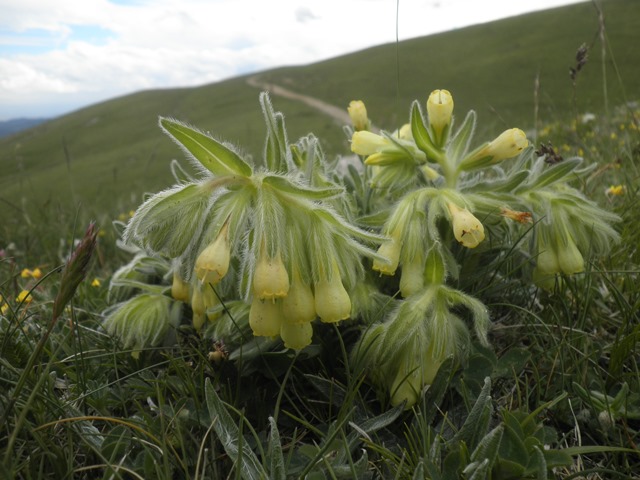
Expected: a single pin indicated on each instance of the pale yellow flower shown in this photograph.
(24, 296)
(358, 114)
(616, 190)
(270, 279)
(467, 229)
(390, 250)
(95, 283)
(440, 109)
(213, 262)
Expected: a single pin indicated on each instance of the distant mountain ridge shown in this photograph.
(15, 125)
(512, 72)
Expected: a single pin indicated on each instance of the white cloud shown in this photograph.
(166, 43)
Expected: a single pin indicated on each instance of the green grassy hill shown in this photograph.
(104, 157)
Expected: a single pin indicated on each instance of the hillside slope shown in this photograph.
(104, 157)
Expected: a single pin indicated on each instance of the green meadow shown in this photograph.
(556, 394)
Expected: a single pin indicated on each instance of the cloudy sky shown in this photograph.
(59, 55)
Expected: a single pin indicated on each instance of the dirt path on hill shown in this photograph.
(338, 114)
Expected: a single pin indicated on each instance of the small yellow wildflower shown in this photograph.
(25, 273)
(358, 114)
(37, 273)
(24, 297)
(4, 308)
(613, 136)
(616, 190)
(95, 283)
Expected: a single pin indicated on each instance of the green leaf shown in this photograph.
(459, 145)
(512, 447)
(418, 474)
(213, 155)
(435, 393)
(294, 188)
(476, 424)
(276, 458)
(229, 435)
(554, 174)
(489, 446)
(170, 220)
(421, 134)
(512, 362)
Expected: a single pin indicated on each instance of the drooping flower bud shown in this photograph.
(296, 336)
(439, 109)
(265, 317)
(569, 258)
(179, 288)
(298, 306)
(416, 370)
(358, 113)
(390, 250)
(332, 301)
(213, 262)
(467, 229)
(270, 278)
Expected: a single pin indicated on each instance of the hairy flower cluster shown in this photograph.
(274, 249)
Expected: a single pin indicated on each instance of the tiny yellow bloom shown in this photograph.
(95, 283)
(24, 296)
(467, 229)
(25, 273)
(616, 190)
(358, 114)
(613, 135)
(4, 308)
(36, 273)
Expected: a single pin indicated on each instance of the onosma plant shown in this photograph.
(258, 255)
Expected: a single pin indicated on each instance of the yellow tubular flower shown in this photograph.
(298, 306)
(179, 288)
(509, 144)
(296, 336)
(265, 317)
(332, 301)
(467, 229)
(358, 113)
(440, 109)
(213, 262)
(367, 143)
(569, 258)
(270, 279)
(390, 250)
